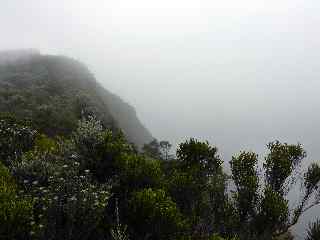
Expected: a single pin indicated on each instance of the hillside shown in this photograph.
(90, 183)
(55, 91)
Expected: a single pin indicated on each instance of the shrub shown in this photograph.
(136, 172)
(16, 137)
(154, 215)
(99, 148)
(68, 204)
(15, 211)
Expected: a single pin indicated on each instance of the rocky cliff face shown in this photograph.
(55, 91)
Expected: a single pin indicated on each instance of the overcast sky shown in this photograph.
(238, 73)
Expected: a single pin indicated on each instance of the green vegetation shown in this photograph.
(68, 172)
(15, 210)
(69, 188)
(314, 231)
(55, 92)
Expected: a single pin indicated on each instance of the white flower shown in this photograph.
(40, 226)
(25, 181)
(35, 182)
(55, 198)
(65, 166)
(87, 171)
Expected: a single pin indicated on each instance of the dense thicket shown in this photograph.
(94, 185)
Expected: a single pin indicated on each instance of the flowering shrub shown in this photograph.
(16, 137)
(68, 204)
(99, 148)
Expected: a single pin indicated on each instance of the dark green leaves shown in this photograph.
(312, 177)
(155, 215)
(281, 162)
(245, 177)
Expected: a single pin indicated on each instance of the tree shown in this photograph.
(246, 179)
(281, 162)
(154, 215)
(165, 147)
(263, 207)
(197, 183)
(152, 149)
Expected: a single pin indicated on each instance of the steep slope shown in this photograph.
(55, 91)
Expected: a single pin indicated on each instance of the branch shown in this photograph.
(286, 229)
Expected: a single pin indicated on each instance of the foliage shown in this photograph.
(199, 159)
(165, 147)
(99, 148)
(286, 236)
(281, 162)
(154, 215)
(274, 211)
(193, 185)
(245, 177)
(119, 232)
(68, 187)
(152, 149)
(216, 237)
(55, 92)
(67, 203)
(15, 210)
(263, 209)
(312, 177)
(137, 172)
(314, 231)
(16, 137)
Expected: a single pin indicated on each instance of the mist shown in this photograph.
(236, 73)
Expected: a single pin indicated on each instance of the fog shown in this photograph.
(236, 73)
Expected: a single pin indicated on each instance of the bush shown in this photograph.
(153, 215)
(136, 172)
(68, 204)
(16, 137)
(99, 148)
(15, 211)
